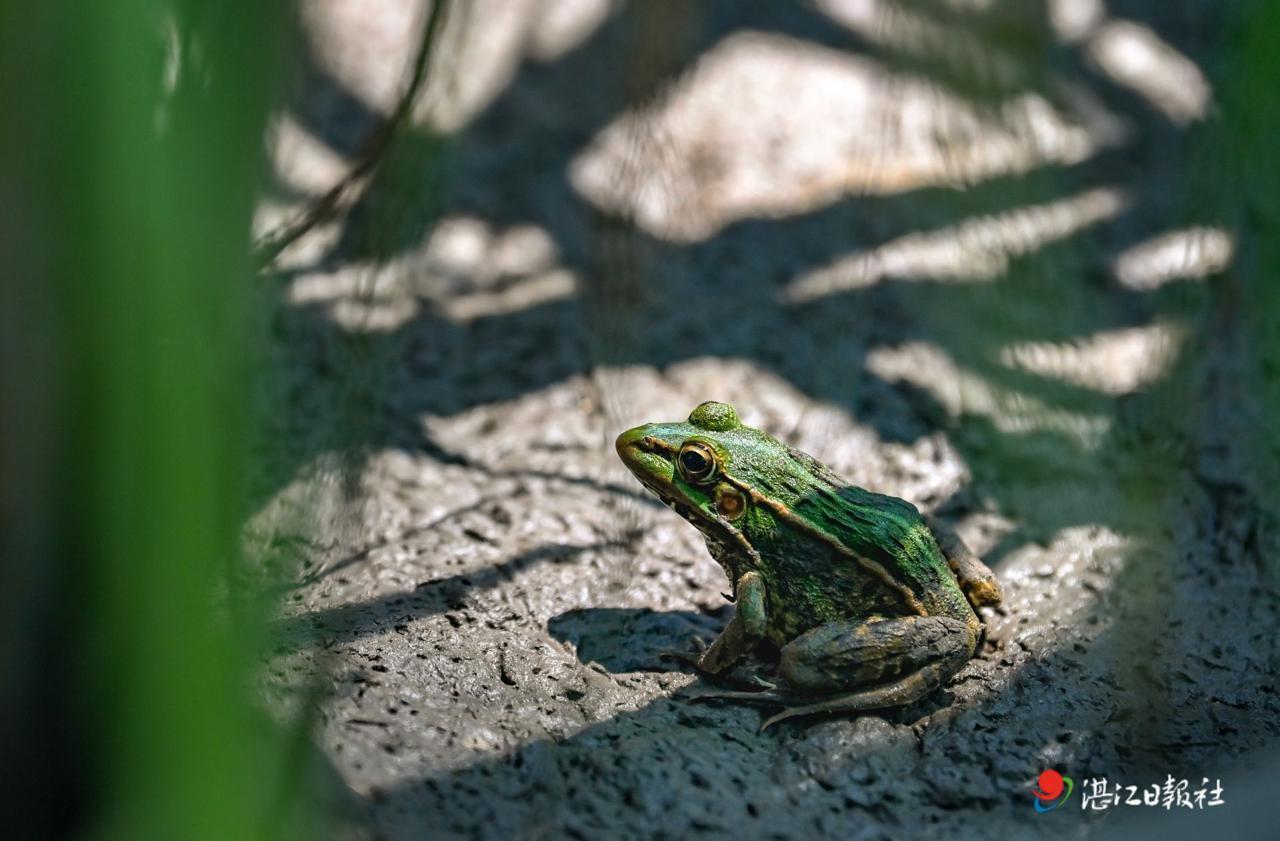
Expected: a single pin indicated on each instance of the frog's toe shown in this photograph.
(693, 658)
(829, 706)
(767, 697)
(832, 706)
(749, 683)
(776, 717)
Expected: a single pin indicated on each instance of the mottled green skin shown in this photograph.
(808, 582)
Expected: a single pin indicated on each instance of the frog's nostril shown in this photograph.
(635, 446)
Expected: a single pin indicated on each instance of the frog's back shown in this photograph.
(857, 553)
(889, 532)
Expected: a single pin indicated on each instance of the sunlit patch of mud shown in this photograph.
(1110, 361)
(1188, 254)
(965, 393)
(766, 126)
(1137, 58)
(464, 270)
(1073, 20)
(975, 250)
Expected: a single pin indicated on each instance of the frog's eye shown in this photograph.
(697, 462)
(730, 502)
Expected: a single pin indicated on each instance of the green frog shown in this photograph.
(869, 605)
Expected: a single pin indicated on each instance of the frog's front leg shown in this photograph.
(745, 629)
(885, 662)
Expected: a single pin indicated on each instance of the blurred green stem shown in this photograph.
(141, 128)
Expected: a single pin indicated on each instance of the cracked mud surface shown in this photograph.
(483, 596)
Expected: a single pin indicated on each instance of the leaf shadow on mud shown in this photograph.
(960, 763)
(954, 761)
(429, 598)
(674, 768)
(565, 336)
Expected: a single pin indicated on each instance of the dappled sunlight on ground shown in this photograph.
(1034, 574)
(490, 39)
(1072, 20)
(946, 287)
(359, 298)
(470, 270)
(366, 44)
(463, 271)
(767, 126)
(306, 163)
(976, 250)
(1135, 56)
(1191, 254)
(967, 393)
(912, 31)
(1111, 362)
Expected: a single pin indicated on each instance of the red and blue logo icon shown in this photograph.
(1052, 790)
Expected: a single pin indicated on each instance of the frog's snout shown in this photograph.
(644, 452)
(628, 443)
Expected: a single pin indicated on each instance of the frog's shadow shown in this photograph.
(621, 640)
(624, 639)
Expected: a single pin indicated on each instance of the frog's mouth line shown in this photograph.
(665, 491)
(690, 513)
(661, 482)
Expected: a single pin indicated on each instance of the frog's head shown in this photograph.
(688, 466)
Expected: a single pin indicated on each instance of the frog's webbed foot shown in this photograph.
(744, 630)
(764, 695)
(746, 681)
(749, 686)
(692, 659)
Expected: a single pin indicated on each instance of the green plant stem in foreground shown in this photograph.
(148, 131)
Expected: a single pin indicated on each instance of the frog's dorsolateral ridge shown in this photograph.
(871, 606)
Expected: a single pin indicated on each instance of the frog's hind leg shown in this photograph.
(899, 693)
(905, 690)
(875, 664)
(865, 665)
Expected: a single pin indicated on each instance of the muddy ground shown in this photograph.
(948, 284)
